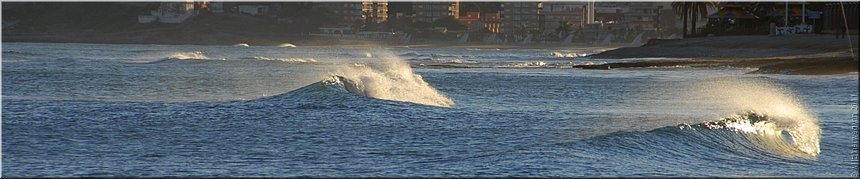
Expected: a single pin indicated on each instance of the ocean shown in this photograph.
(93, 110)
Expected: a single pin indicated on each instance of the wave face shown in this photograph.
(760, 132)
(770, 111)
(388, 79)
(757, 120)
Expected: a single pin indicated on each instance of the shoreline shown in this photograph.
(312, 42)
(790, 55)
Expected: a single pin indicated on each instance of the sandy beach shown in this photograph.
(794, 55)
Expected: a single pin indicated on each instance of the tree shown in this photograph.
(699, 10)
(694, 10)
(450, 23)
(680, 9)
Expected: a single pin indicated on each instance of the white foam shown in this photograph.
(196, 55)
(567, 55)
(288, 60)
(389, 78)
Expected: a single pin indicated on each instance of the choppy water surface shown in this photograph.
(164, 110)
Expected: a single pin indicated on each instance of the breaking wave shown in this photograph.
(287, 60)
(568, 55)
(197, 55)
(386, 79)
(789, 137)
(768, 111)
(758, 120)
(287, 45)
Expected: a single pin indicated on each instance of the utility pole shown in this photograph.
(786, 14)
(803, 11)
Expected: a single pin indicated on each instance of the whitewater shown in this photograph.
(88, 110)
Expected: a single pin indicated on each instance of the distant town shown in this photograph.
(578, 22)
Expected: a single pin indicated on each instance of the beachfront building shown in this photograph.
(169, 12)
(492, 21)
(374, 11)
(470, 19)
(432, 11)
(519, 16)
(643, 15)
(347, 12)
(610, 13)
(559, 13)
(489, 21)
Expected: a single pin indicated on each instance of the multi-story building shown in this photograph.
(519, 15)
(351, 12)
(374, 11)
(558, 12)
(635, 15)
(610, 13)
(492, 21)
(432, 11)
(645, 15)
(347, 12)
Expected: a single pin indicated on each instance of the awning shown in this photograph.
(792, 12)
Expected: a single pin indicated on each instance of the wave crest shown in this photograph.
(196, 55)
(772, 115)
(388, 79)
(287, 60)
(391, 80)
(772, 134)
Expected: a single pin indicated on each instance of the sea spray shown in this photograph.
(387, 77)
(762, 109)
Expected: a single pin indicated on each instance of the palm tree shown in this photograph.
(680, 9)
(694, 10)
(699, 10)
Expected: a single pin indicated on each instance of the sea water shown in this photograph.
(188, 110)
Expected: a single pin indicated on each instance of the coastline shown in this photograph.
(274, 39)
(790, 55)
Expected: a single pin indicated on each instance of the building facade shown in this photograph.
(432, 11)
(347, 12)
(558, 13)
(519, 16)
(352, 12)
(374, 11)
